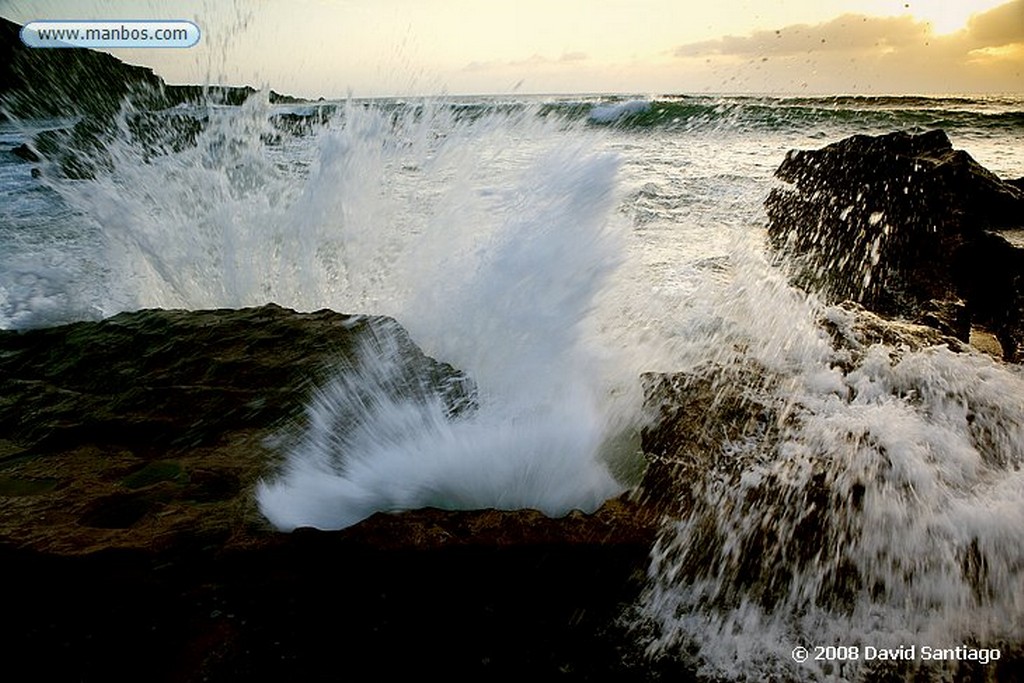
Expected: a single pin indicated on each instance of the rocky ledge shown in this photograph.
(132, 547)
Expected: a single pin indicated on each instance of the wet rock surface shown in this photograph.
(132, 546)
(724, 427)
(500, 595)
(907, 226)
(719, 420)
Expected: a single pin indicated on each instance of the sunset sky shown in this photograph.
(400, 47)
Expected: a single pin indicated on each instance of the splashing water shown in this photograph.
(875, 501)
(491, 238)
(511, 310)
(366, 451)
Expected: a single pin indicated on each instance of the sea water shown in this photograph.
(554, 249)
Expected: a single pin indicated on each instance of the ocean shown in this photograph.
(555, 248)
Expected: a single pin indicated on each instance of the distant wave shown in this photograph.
(614, 112)
(999, 115)
(770, 113)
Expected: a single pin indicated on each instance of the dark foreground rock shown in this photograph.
(494, 595)
(907, 226)
(132, 548)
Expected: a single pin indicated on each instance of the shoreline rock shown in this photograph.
(785, 495)
(496, 594)
(129, 449)
(907, 226)
(58, 83)
(148, 424)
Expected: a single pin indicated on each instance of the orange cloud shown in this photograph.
(1003, 25)
(847, 33)
(893, 54)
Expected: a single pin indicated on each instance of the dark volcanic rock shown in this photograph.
(903, 224)
(130, 540)
(37, 83)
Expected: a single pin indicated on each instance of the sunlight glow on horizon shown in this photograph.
(948, 17)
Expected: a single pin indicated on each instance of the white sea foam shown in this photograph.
(366, 451)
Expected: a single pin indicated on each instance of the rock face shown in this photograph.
(132, 547)
(716, 422)
(182, 378)
(717, 456)
(93, 86)
(77, 81)
(904, 224)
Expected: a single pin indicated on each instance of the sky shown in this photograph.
(371, 48)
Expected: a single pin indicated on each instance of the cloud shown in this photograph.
(534, 61)
(848, 33)
(854, 52)
(1003, 25)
